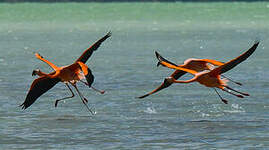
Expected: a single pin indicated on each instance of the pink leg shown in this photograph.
(246, 94)
(240, 96)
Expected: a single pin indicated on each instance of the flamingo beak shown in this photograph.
(34, 73)
(158, 64)
(167, 80)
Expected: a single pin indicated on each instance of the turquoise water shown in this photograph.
(180, 117)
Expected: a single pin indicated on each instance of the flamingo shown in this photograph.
(198, 65)
(211, 78)
(70, 74)
(54, 67)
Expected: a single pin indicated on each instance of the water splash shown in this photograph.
(236, 108)
(150, 110)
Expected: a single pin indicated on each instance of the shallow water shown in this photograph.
(180, 117)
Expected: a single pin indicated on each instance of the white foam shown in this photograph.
(235, 109)
(150, 110)
(205, 115)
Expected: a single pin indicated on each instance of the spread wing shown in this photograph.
(234, 62)
(213, 62)
(88, 52)
(177, 74)
(171, 65)
(38, 87)
(89, 77)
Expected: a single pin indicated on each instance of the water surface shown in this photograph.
(180, 117)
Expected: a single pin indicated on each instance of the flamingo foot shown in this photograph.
(224, 101)
(56, 103)
(240, 96)
(238, 83)
(246, 94)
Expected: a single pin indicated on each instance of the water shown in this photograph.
(180, 117)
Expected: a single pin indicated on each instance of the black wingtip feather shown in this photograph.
(42, 85)
(88, 52)
(140, 97)
(22, 106)
(228, 66)
(255, 45)
(257, 40)
(109, 34)
(160, 58)
(102, 40)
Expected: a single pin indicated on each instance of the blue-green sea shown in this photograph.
(183, 116)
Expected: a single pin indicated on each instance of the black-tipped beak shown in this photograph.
(157, 54)
(158, 57)
(158, 64)
(165, 81)
(34, 73)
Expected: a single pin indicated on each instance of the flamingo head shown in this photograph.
(168, 80)
(35, 72)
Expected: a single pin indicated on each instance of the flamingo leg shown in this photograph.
(97, 90)
(238, 83)
(222, 99)
(56, 102)
(245, 94)
(84, 100)
(224, 89)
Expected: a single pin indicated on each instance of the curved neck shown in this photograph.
(54, 67)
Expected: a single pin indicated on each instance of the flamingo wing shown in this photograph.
(177, 74)
(234, 62)
(171, 65)
(214, 62)
(38, 87)
(87, 73)
(89, 77)
(88, 52)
